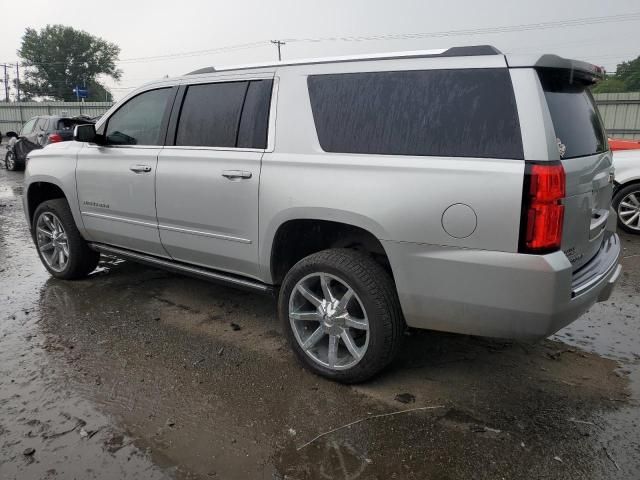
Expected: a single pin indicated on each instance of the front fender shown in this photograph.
(56, 166)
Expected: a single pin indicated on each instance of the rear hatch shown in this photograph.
(65, 127)
(585, 156)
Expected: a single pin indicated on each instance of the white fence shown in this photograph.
(621, 113)
(14, 114)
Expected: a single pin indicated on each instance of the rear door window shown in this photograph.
(460, 113)
(576, 121)
(41, 125)
(225, 115)
(255, 115)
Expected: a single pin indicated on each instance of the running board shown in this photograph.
(178, 267)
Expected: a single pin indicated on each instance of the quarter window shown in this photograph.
(459, 113)
(139, 120)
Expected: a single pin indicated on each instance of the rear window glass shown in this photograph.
(68, 124)
(460, 113)
(575, 117)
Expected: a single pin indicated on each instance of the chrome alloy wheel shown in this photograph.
(629, 210)
(52, 241)
(329, 321)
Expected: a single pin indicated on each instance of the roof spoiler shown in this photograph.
(587, 71)
(202, 70)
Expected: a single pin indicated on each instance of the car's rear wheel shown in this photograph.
(627, 205)
(341, 314)
(61, 248)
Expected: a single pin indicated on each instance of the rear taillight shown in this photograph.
(542, 209)
(55, 138)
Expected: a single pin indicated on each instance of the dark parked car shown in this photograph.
(37, 133)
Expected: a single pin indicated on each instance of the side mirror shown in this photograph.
(87, 133)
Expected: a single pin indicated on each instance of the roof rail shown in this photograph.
(467, 51)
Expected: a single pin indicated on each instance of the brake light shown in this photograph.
(543, 212)
(55, 138)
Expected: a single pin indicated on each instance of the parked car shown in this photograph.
(623, 144)
(626, 200)
(39, 132)
(460, 190)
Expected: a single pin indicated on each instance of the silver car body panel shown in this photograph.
(474, 283)
(118, 204)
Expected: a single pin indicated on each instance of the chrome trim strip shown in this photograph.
(181, 268)
(204, 234)
(212, 149)
(599, 268)
(120, 219)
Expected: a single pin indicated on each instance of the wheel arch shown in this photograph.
(292, 237)
(41, 189)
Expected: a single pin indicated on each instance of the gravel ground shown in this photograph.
(139, 373)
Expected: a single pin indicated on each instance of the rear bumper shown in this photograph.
(498, 294)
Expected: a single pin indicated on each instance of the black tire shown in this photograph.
(82, 260)
(620, 194)
(11, 162)
(377, 293)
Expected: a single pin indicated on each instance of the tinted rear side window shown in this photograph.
(460, 113)
(255, 115)
(210, 114)
(576, 120)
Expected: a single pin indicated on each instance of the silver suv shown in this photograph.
(460, 190)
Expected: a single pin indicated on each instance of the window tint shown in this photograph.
(28, 127)
(466, 113)
(576, 120)
(67, 124)
(138, 121)
(210, 115)
(255, 115)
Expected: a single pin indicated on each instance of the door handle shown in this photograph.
(140, 168)
(236, 174)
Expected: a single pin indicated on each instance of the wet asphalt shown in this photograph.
(139, 373)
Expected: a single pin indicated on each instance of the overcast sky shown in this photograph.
(145, 29)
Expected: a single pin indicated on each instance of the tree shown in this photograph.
(57, 58)
(626, 79)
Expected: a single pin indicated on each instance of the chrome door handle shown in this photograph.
(236, 174)
(140, 168)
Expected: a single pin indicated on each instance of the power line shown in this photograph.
(479, 31)
(629, 17)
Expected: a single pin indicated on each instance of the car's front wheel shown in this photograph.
(61, 248)
(10, 161)
(341, 314)
(627, 204)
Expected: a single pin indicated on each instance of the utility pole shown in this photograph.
(18, 79)
(6, 83)
(279, 44)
